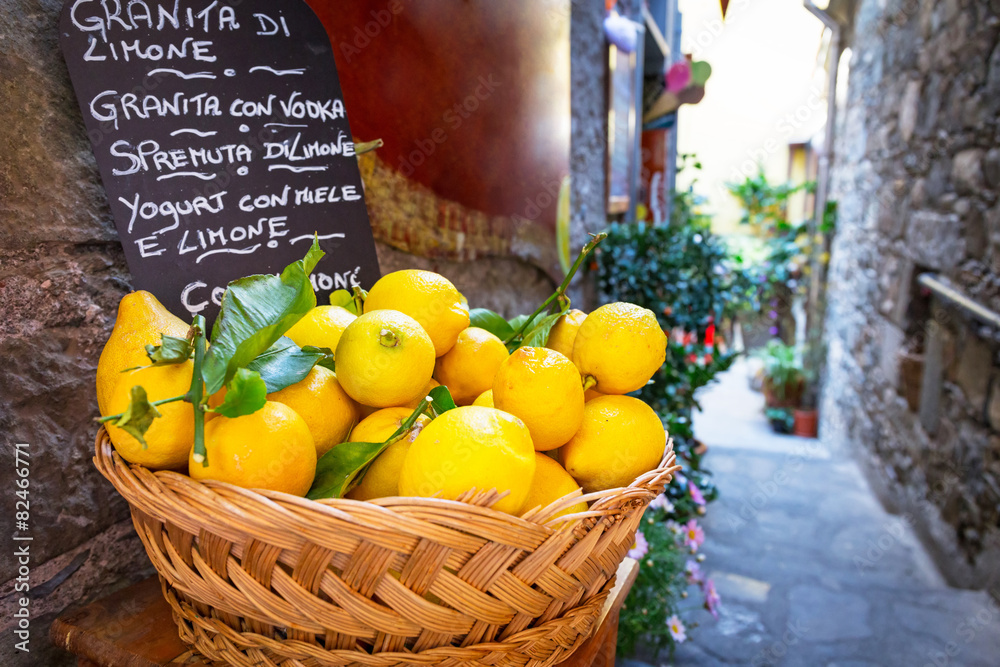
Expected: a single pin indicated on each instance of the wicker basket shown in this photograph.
(268, 579)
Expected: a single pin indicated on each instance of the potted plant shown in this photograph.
(806, 420)
(781, 419)
(784, 378)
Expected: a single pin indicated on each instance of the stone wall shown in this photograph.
(62, 273)
(916, 174)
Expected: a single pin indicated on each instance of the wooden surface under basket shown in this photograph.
(259, 578)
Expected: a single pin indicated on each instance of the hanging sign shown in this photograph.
(222, 141)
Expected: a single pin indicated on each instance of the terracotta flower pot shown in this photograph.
(806, 423)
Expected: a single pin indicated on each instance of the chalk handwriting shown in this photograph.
(221, 135)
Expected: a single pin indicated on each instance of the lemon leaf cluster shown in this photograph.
(285, 363)
(245, 395)
(138, 416)
(484, 318)
(352, 303)
(256, 311)
(171, 350)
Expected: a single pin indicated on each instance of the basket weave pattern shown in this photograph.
(257, 578)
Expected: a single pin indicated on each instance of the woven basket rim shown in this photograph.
(113, 467)
(558, 568)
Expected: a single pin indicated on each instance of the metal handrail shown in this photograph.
(944, 290)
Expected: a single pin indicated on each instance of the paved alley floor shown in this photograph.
(811, 569)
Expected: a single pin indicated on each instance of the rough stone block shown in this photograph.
(974, 370)
(967, 171)
(890, 343)
(991, 168)
(908, 110)
(936, 240)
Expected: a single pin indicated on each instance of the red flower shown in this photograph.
(710, 335)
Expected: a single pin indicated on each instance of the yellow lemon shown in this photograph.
(551, 482)
(322, 326)
(324, 405)
(620, 345)
(427, 297)
(563, 333)
(591, 394)
(543, 388)
(170, 436)
(270, 449)
(620, 438)
(485, 399)
(469, 367)
(384, 359)
(471, 448)
(412, 405)
(382, 478)
(141, 320)
(366, 410)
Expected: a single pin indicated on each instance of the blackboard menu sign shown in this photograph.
(221, 138)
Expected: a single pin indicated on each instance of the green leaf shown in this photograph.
(441, 399)
(138, 416)
(171, 350)
(539, 334)
(325, 356)
(517, 322)
(338, 468)
(492, 322)
(284, 364)
(246, 393)
(345, 300)
(256, 311)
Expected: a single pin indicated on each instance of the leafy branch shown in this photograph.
(524, 329)
(249, 354)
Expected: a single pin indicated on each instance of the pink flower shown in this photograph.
(660, 502)
(696, 495)
(639, 547)
(712, 599)
(677, 629)
(678, 76)
(693, 534)
(693, 571)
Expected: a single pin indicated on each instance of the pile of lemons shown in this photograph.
(536, 423)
